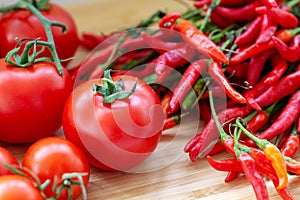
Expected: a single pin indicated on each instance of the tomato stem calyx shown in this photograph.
(111, 90)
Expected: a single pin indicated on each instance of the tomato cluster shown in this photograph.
(47, 160)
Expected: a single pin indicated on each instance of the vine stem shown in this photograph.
(46, 24)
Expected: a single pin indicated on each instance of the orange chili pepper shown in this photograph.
(274, 155)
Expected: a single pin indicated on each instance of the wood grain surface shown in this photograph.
(174, 176)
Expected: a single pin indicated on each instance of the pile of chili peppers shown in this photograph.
(248, 50)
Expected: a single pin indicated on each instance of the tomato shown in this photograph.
(117, 135)
(52, 157)
(23, 24)
(18, 187)
(8, 158)
(32, 101)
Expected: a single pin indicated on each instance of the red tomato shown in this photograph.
(32, 101)
(18, 187)
(23, 24)
(118, 135)
(52, 157)
(8, 158)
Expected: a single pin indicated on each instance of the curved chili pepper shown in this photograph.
(219, 21)
(279, 68)
(172, 59)
(205, 112)
(255, 49)
(215, 70)
(160, 45)
(171, 122)
(258, 121)
(238, 70)
(256, 64)
(218, 147)
(286, 118)
(189, 77)
(252, 175)
(268, 29)
(200, 41)
(290, 53)
(226, 165)
(291, 145)
(231, 176)
(282, 17)
(250, 34)
(293, 166)
(168, 21)
(201, 142)
(240, 14)
(274, 155)
(285, 86)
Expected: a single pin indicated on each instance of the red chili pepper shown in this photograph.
(238, 70)
(285, 194)
(279, 68)
(165, 101)
(189, 77)
(231, 176)
(218, 20)
(205, 112)
(285, 86)
(290, 53)
(255, 49)
(239, 14)
(282, 17)
(90, 40)
(168, 21)
(291, 145)
(227, 3)
(256, 65)
(250, 34)
(270, 3)
(286, 118)
(200, 41)
(257, 121)
(172, 59)
(226, 165)
(218, 147)
(298, 125)
(160, 46)
(215, 70)
(218, 92)
(171, 122)
(293, 166)
(200, 143)
(268, 29)
(252, 175)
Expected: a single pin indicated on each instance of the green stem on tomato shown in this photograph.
(21, 4)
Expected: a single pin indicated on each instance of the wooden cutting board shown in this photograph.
(173, 175)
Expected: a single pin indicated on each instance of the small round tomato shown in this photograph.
(8, 158)
(22, 24)
(18, 187)
(117, 135)
(52, 157)
(32, 101)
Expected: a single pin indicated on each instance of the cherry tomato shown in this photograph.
(23, 24)
(18, 187)
(117, 135)
(8, 158)
(32, 101)
(52, 157)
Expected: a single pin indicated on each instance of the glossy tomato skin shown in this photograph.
(32, 101)
(13, 187)
(23, 24)
(114, 136)
(8, 158)
(54, 156)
